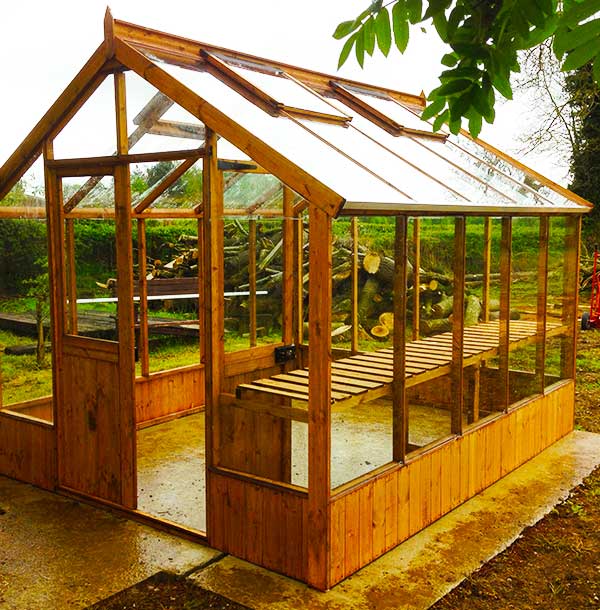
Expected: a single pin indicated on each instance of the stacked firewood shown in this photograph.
(375, 282)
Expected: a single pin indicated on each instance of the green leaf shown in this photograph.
(369, 35)
(454, 127)
(475, 124)
(580, 11)
(400, 26)
(415, 10)
(596, 69)
(532, 13)
(502, 84)
(346, 50)
(459, 106)
(545, 6)
(441, 25)
(450, 59)
(481, 101)
(454, 87)
(440, 120)
(462, 72)
(344, 28)
(359, 49)
(436, 106)
(567, 40)
(383, 31)
(538, 35)
(581, 55)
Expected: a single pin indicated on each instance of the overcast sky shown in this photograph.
(43, 44)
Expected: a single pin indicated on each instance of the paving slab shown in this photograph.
(57, 553)
(424, 568)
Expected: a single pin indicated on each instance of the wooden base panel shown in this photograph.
(378, 514)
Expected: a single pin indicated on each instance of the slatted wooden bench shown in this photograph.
(369, 375)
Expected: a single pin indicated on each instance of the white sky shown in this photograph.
(44, 43)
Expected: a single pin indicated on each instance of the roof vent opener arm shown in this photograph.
(379, 118)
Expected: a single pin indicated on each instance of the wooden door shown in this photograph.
(95, 378)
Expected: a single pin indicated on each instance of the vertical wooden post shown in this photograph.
(299, 259)
(504, 330)
(487, 262)
(252, 281)
(201, 288)
(570, 295)
(319, 399)
(213, 298)
(400, 405)
(458, 324)
(71, 276)
(126, 317)
(354, 297)
(143, 351)
(416, 321)
(54, 232)
(287, 289)
(542, 303)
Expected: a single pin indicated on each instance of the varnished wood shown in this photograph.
(354, 295)
(143, 294)
(299, 284)
(416, 320)
(458, 324)
(126, 318)
(319, 410)
(213, 291)
(252, 280)
(400, 403)
(504, 322)
(287, 282)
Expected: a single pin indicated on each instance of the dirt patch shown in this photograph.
(165, 591)
(554, 564)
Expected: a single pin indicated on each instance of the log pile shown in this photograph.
(375, 284)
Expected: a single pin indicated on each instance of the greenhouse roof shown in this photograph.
(346, 147)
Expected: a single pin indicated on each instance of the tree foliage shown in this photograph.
(483, 39)
(584, 95)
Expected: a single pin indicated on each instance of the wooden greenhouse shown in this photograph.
(316, 456)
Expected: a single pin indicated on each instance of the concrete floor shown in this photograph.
(171, 478)
(171, 474)
(56, 553)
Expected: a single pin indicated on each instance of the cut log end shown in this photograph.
(380, 331)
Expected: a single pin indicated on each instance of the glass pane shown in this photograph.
(155, 123)
(523, 380)
(289, 138)
(28, 194)
(472, 157)
(185, 192)
(285, 91)
(429, 353)
(92, 131)
(408, 180)
(25, 342)
(560, 306)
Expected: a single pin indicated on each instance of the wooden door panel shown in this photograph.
(91, 444)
